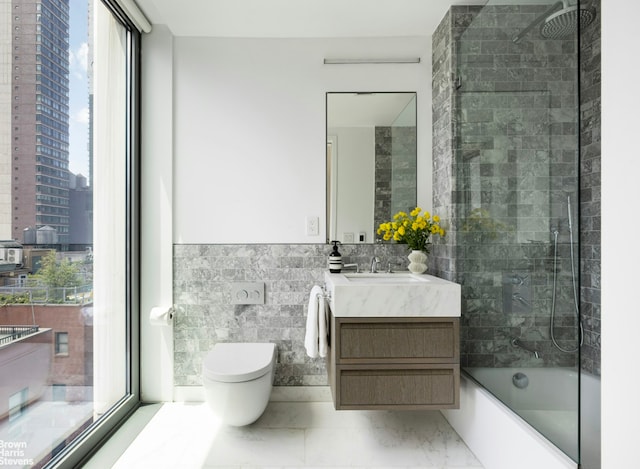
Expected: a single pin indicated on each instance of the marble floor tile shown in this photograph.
(257, 447)
(298, 435)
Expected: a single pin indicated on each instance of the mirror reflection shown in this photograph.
(371, 162)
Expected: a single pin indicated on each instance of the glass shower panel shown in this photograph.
(516, 167)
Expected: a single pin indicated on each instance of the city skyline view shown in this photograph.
(47, 100)
(78, 88)
(63, 62)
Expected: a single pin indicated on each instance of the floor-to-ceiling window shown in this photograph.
(68, 227)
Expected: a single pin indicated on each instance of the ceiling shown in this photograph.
(299, 18)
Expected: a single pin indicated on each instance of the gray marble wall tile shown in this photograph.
(403, 168)
(203, 275)
(382, 210)
(590, 227)
(505, 135)
(395, 171)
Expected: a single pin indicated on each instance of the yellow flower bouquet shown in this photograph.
(413, 229)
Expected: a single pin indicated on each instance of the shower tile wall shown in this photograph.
(383, 183)
(444, 183)
(203, 275)
(395, 171)
(403, 168)
(590, 192)
(504, 144)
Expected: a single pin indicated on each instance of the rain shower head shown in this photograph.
(564, 23)
(559, 24)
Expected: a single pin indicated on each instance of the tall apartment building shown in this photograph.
(34, 117)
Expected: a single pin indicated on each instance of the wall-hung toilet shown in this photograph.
(238, 378)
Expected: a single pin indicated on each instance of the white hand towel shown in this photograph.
(322, 327)
(312, 332)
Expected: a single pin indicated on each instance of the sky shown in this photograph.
(78, 88)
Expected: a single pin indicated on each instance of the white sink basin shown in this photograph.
(400, 294)
(395, 278)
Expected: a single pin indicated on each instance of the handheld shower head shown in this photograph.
(569, 213)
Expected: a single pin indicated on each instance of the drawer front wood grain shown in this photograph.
(398, 388)
(397, 341)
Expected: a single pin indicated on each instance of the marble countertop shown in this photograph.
(406, 295)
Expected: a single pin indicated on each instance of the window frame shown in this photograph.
(57, 344)
(85, 445)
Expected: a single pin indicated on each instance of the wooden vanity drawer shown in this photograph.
(401, 363)
(388, 386)
(404, 340)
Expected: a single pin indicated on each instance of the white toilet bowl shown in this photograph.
(238, 378)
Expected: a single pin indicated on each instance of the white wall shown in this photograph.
(620, 253)
(249, 127)
(156, 244)
(355, 150)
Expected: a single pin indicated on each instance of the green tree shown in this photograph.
(56, 274)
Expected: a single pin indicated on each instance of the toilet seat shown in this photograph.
(238, 362)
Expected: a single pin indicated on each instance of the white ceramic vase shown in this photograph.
(418, 262)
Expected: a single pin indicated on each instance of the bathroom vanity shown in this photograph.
(394, 341)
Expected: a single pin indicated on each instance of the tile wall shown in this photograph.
(504, 140)
(395, 171)
(203, 275)
(590, 227)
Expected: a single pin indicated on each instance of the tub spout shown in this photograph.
(518, 344)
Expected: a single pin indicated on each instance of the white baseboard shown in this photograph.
(301, 394)
(278, 394)
(188, 394)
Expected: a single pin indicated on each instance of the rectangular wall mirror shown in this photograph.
(371, 162)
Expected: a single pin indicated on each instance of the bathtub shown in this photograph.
(518, 433)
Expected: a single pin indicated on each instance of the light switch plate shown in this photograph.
(312, 226)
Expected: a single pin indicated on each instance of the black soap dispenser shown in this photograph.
(335, 259)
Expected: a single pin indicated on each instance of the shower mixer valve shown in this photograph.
(517, 294)
(518, 280)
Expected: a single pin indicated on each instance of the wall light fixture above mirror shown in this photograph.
(379, 60)
(371, 161)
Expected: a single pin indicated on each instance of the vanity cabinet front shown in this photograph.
(394, 362)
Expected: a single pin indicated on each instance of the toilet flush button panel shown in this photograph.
(247, 293)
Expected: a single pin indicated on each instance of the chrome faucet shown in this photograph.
(374, 264)
(390, 268)
(516, 343)
(351, 266)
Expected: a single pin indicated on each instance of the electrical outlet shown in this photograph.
(312, 226)
(347, 238)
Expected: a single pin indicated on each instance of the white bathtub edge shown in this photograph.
(498, 437)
